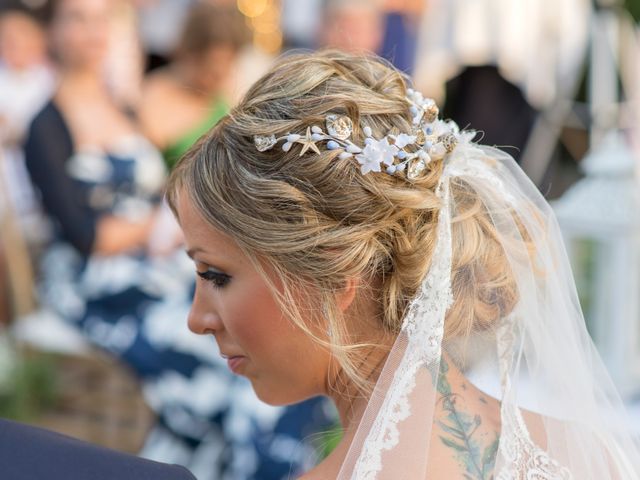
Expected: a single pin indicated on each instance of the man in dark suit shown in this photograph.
(29, 453)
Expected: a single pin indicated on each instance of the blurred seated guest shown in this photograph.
(28, 453)
(26, 82)
(115, 268)
(183, 100)
(100, 179)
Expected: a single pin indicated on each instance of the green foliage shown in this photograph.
(634, 8)
(31, 388)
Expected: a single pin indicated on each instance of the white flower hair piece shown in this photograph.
(431, 139)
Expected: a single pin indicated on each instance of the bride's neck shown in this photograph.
(349, 395)
(351, 403)
(350, 398)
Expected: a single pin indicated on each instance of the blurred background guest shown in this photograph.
(99, 180)
(26, 82)
(184, 100)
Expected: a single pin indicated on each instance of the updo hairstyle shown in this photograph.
(317, 221)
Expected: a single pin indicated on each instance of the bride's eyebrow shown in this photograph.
(192, 251)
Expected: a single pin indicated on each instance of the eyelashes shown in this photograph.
(217, 279)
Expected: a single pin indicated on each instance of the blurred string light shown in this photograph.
(263, 18)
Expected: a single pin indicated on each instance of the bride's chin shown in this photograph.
(278, 397)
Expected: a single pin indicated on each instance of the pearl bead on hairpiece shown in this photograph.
(431, 139)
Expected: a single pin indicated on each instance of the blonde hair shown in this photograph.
(317, 221)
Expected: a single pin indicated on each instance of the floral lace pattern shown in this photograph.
(423, 326)
(522, 458)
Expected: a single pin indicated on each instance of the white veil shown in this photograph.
(560, 416)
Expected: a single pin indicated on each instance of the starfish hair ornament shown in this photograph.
(407, 154)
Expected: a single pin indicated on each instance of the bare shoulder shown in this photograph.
(321, 472)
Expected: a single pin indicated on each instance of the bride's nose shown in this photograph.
(203, 318)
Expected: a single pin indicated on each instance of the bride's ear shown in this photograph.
(345, 296)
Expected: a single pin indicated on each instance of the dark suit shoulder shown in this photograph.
(30, 453)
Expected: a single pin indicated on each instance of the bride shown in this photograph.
(349, 243)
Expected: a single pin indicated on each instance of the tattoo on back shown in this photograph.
(461, 434)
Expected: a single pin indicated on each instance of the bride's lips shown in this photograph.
(235, 362)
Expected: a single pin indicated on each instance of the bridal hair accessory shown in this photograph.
(404, 153)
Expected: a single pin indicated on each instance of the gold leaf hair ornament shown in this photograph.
(431, 139)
